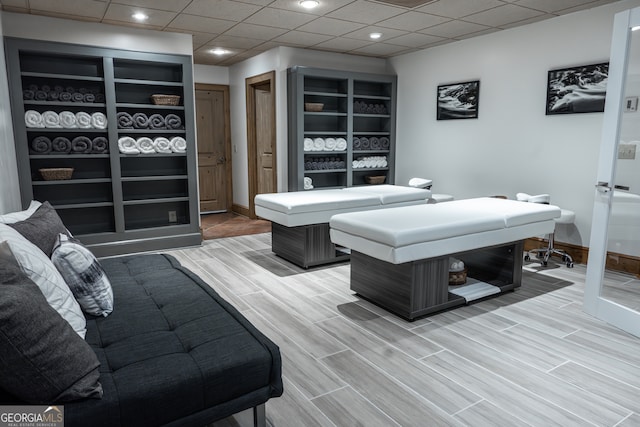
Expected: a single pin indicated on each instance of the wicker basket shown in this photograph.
(313, 106)
(375, 179)
(56, 174)
(165, 99)
(458, 277)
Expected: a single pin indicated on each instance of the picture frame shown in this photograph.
(458, 100)
(580, 89)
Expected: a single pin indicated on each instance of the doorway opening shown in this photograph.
(261, 136)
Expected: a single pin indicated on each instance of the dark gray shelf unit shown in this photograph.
(338, 91)
(114, 203)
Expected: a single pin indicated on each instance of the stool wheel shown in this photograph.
(545, 263)
(527, 257)
(570, 264)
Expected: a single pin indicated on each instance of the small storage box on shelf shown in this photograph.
(375, 179)
(56, 174)
(158, 99)
(458, 277)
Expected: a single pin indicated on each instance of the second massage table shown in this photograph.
(300, 219)
(400, 257)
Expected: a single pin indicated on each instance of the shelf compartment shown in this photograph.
(332, 104)
(327, 86)
(147, 106)
(328, 178)
(360, 174)
(151, 215)
(147, 70)
(53, 104)
(96, 192)
(67, 66)
(84, 168)
(135, 93)
(153, 166)
(325, 123)
(88, 219)
(372, 90)
(371, 124)
(161, 189)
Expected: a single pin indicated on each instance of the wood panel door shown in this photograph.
(214, 147)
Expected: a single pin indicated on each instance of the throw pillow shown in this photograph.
(84, 275)
(42, 228)
(42, 359)
(12, 217)
(41, 270)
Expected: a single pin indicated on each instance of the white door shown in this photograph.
(610, 296)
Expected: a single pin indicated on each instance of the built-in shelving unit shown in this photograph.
(113, 202)
(358, 111)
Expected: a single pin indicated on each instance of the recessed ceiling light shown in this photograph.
(219, 51)
(309, 4)
(139, 16)
(375, 36)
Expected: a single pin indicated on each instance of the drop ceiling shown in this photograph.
(248, 27)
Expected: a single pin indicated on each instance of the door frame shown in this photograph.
(252, 145)
(227, 138)
(611, 312)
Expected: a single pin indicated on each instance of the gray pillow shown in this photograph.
(42, 359)
(84, 275)
(42, 228)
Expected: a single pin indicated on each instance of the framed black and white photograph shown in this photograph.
(579, 89)
(458, 100)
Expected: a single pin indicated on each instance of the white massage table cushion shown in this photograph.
(409, 225)
(314, 201)
(390, 194)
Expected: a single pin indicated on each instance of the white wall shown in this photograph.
(512, 147)
(279, 60)
(210, 74)
(9, 189)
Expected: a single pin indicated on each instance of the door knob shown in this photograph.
(603, 187)
(221, 160)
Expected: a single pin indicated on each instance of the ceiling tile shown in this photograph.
(342, 44)
(254, 31)
(122, 13)
(459, 8)
(413, 40)
(299, 38)
(234, 42)
(199, 39)
(323, 8)
(502, 15)
(280, 18)
(64, 16)
(478, 33)
(86, 8)
(412, 21)
(550, 5)
(365, 12)
(588, 6)
(200, 23)
(330, 26)
(363, 33)
(222, 9)
(380, 49)
(529, 21)
(454, 29)
(168, 5)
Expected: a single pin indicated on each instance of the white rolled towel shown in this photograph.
(99, 120)
(162, 145)
(455, 264)
(330, 144)
(360, 164)
(178, 144)
(84, 120)
(341, 144)
(33, 119)
(354, 164)
(318, 144)
(308, 181)
(51, 119)
(145, 145)
(68, 120)
(308, 144)
(127, 145)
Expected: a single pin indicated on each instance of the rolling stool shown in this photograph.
(426, 183)
(566, 217)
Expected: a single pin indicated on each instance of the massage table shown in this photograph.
(400, 257)
(300, 219)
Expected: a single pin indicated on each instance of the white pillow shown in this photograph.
(84, 275)
(14, 217)
(41, 270)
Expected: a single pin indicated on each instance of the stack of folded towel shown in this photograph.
(323, 163)
(146, 145)
(325, 144)
(370, 162)
(63, 94)
(62, 145)
(373, 143)
(362, 107)
(153, 122)
(65, 120)
(308, 183)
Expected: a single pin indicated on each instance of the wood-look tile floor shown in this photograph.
(526, 358)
